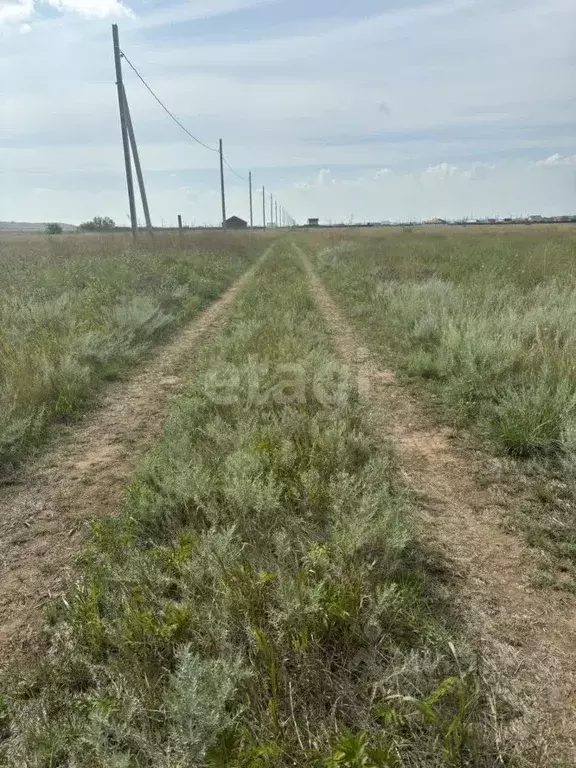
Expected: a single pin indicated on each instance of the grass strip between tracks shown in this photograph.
(260, 600)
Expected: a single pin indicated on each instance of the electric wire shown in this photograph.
(164, 107)
(175, 119)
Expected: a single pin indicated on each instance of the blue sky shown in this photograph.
(364, 110)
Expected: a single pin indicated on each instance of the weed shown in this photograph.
(261, 598)
(485, 324)
(77, 310)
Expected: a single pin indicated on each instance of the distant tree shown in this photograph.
(54, 228)
(99, 224)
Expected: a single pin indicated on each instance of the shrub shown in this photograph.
(261, 601)
(99, 224)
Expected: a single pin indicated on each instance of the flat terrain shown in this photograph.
(481, 325)
(44, 513)
(78, 310)
(526, 635)
(333, 513)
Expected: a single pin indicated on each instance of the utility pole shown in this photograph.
(276, 212)
(251, 208)
(123, 126)
(180, 225)
(222, 190)
(271, 210)
(137, 165)
(263, 207)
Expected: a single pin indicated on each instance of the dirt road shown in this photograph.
(44, 517)
(528, 636)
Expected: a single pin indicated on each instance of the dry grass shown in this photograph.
(461, 519)
(261, 601)
(482, 321)
(76, 310)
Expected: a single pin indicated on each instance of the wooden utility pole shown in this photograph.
(263, 207)
(125, 139)
(251, 209)
(137, 165)
(180, 224)
(222, 190)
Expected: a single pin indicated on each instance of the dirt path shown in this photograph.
(527, 636)
(44, 518)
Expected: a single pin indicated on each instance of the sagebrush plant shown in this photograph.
(486, 319)
(77, 310)
(261, 600)
(490, 317)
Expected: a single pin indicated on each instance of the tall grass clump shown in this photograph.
(260, 601)
(78, 309)
(486, 322)
(488, 319)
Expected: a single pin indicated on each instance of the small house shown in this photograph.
(235, 222)
(313, 222)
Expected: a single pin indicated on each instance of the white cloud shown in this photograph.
(291, 107)
(15, 11)
(92, 8)
(557, 159)
(469, 171)
(20, 11)
(478, 171)
(442, 170)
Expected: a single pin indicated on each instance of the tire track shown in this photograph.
(44, 518)
(527, 636)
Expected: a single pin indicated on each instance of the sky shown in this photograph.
(369, 110)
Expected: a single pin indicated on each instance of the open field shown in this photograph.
(488, 317)
(260, 600)
(484, 322)
(307, 567)
(77, 310)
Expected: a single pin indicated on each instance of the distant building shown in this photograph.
(535, 218)
(235, 222)
(313, 222)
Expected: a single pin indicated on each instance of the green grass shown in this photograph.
(76, 310)
(261, 600)
(485, 321)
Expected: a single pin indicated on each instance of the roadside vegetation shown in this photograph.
(78, 309)
(260, 600)
(485, 321)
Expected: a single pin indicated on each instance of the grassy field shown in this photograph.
(484, 321)
(76, 310)
(261, 600)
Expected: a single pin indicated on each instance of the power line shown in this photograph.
(242, 178)
(164, 107)
(178, 123)
(191, 135)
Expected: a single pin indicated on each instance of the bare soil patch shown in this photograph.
(44, 516)
(527, 636)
